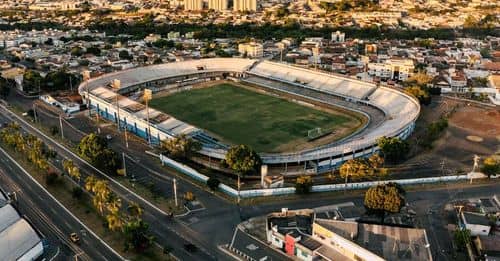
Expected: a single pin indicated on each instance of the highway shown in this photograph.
(54, 222)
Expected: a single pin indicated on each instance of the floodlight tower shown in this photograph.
(148, 95)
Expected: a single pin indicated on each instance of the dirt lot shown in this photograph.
(472, 129)
(481, 122)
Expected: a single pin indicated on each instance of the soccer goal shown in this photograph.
(314, 133)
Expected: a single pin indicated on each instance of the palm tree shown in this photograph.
(90, 182)
(135, 211)
(114, 203)
(73, 171)
(115, 221)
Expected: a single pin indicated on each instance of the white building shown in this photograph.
(253, 50)
(245, 5)
(393, 69)
(217, 5)
(338, 37)
(477, 224)
(193, 5)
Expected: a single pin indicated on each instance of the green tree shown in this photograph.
(485, 53)
(135, 211)
(180, 147)
(136, 236)
(95, 149)
(376, 161)
(461, 238)
(491, 166)
(124, 54)
(60, 80)
(76, 193)
(4, 88)
(32, 80)
(243, 160)
(357, 168)
(303, 184)
(94, 50)
(77, 51)
(420, 93)
(72, 170)
(394, 149)
(385, 198)
(213, 183)
(420, 79)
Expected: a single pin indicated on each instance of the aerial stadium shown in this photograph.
(290, 115)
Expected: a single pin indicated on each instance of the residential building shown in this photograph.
(338, 37)
(193, 5)
(392, 69)
(218, 5)
(478, 224)
(252, 49)
(488, 247)
(245, 5)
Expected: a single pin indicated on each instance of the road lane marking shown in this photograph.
(61, 205)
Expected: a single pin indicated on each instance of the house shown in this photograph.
(488, 247)
(478, 224)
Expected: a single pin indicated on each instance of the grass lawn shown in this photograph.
(240, 116)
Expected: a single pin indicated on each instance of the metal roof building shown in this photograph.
(18, 239)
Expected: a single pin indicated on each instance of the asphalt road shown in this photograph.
(48, 217)
(215, 225)
(166, 231)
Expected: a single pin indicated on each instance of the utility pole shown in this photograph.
(175, 192)
(124, 165)
(97, 117)
(70, 84)
(61, 126)
(118, 112)
(126, 136)
(88, 96)
(239, 189)
(34, 113)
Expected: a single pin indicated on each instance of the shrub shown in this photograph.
(77, 193)
(303, 184)
(213, 183)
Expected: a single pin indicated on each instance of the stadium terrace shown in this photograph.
(390, 112)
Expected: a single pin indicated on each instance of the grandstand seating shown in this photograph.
(344, 87)
(391, 112)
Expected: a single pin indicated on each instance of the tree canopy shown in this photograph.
(303, 184)
(491, 166)
(243, 160)
(393, 149)
(180, 147)
(4, 87)
(32, 80)
(384, 198)
(420, 93)
(95, 149)
(361, 167)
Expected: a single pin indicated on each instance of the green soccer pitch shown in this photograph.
(237, 115)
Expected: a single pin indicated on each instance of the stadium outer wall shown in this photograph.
(324, 159)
